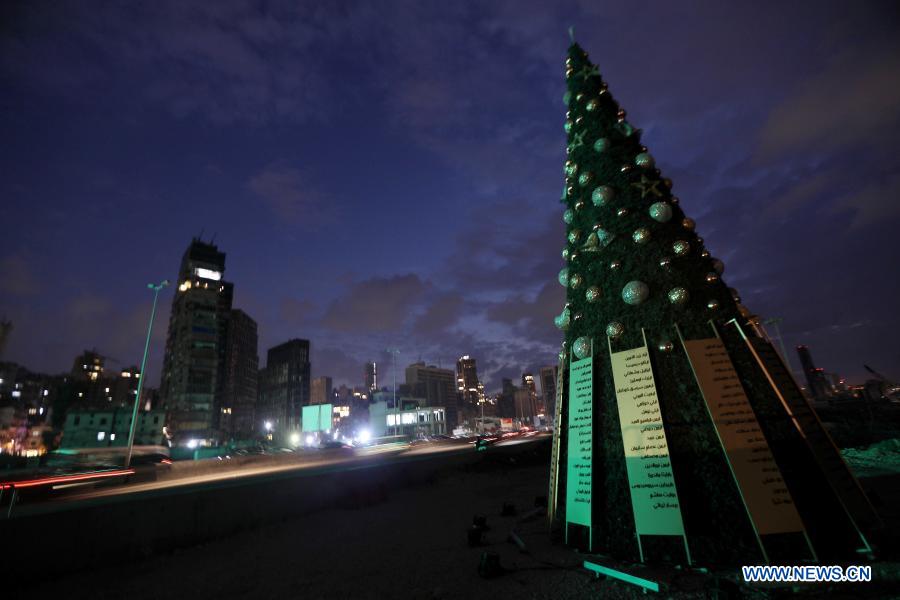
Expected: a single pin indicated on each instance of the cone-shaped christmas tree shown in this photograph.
(680, 434)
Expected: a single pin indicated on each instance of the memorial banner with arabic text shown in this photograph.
(580, 442)
(654, 499)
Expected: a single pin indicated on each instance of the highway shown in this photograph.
(43, 496)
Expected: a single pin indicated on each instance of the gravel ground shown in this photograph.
(411, 544)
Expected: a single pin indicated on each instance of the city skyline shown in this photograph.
(422, 213)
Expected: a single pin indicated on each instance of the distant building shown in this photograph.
(526, 407)
(548, 389)
(437, 386)
(123, 388)
(506, 401)
(322, 392)
(413, 421)
(817, 381)
(194, 362)
(370, 376)
(469, 389)
(88, 366)
(287, 385)
(241, 385)
(105, 428)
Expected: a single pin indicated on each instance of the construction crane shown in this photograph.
(889, 389)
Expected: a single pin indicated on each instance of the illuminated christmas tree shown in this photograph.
(680, 433)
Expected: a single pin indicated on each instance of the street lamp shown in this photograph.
(137, 394)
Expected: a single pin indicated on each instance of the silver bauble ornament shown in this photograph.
(681, 248)
(579, 121)
(591, 105)
(622, 212)
(585, 178)
(579, 97)
(673, 200)
(569, 72)
(574, 256)
(575, 281)
(614, 265)
(712, 277)
(643, 160)
(718, 266)
(602, 145)
(563, 276)
(665, 262)
(635, 292)
(734, 294)
(568, 215)
(582, 347)
(577, 316)
(666, 346)
(592, 294)
(615, 330)
(621, 114)
(678, 296)
(602, 195)
(570, 191)
(660, 212)
(641, 235)
(704, 253)
(625, 168)
(688, 223)
(574, 236)
(712, 304)
(579, 205)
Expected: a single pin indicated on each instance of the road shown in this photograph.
(184, 476)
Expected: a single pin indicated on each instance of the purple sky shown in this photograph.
(388, 174)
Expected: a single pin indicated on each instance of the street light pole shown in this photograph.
(137, 394)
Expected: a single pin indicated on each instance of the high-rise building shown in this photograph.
(437, 386)
(370, 376)
(815, 378)
(88, 366)
(237, 413)
(287, 385)
(124, 387)
(506, 401)
(322, 390)
(548, 390)
(526, 408)
(194, 363)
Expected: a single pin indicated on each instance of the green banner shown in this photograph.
(580, 442)
(654, 499)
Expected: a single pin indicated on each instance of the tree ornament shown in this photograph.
(735, 295)
(660, 212)
(568, 126)
(565, 253)
(666, 346)
(574, 256)
(681, 248)
(688, 223)
(585, 178)
(575, 281)
(562, 355)
(569, 72)
(563, 276)
(712, 277)
(577, 316)
(668, 183)
(635, 292)
(625, 169)
(577, 142)
(614, 265)
(622, 212)
(568, 215)
(570, 191)
(678, 296)
(621, 114)
(574, 236)
(602, 145)
(641, 235)
(579, 205)
(718, 266)
(592, 243)
(704, 253)
(602, 195)
(566, 98)
(592, 294)
(562, 320)
(712, 304)
(643, 160)
(665, 262)
(579, 121)
(582, 347)
(647, 187)
(699, 241)
(588, 70)
(615, 330)
(591, 105)
(571, 168)
(579, 97)
(674, 200)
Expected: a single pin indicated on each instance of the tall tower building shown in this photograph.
(237, 414)
(468, 387)
(548, 390)
(193, 366)
(322, 390)
(437, 386)
(815, 378)
(370, 376)
(287, 385)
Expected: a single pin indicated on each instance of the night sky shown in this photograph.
(388, 174)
